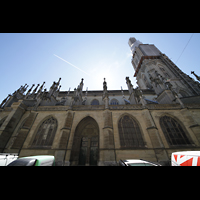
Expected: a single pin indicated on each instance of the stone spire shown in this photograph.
(197, 77)
(34, 91)
(57, 91)
(122, 93)
(123, 97)
(52, 88)
(104, 85)
(23, 89)
(138, 93)
(68, 92)
(19, 90)
(58, 82)
(40, 96)
(19, 93)
(40, 90)
(78, 93)
(105, 94)
(131, 91)
(4, 101)
(130, 86)
(85, 98)
(29, 91)
(81, 84)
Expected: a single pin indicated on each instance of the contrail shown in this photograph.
(72, 64)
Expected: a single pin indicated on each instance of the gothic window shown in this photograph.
(95, 102)
(114, 102)
(129, 133)
(173, 131)
(45, 134)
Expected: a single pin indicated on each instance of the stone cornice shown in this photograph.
(117, 107)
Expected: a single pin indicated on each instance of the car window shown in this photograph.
(23, 162)
(136, 164)
(46, 162)
(149, 164)
(32, 162)
(121, 163)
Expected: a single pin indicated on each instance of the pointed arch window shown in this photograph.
(173, 131)
(95, 102)
(129, 132)
(45, 134)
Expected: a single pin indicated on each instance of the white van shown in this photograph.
(185, 158)
(6, 158)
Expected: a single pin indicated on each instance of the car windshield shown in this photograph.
(23, 162)
(139, 164)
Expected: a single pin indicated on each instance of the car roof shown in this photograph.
(39, 157)
(135, 161)
(127, 161)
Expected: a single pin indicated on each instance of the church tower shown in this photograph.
(154, 70)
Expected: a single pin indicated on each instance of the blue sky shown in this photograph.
(37, 57)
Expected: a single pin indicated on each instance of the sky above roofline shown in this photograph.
(33, 58)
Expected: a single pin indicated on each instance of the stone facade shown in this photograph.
(101, 127)
(110, 151)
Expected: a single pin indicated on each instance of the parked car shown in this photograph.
(6, 158)
(136, 162)
(185, 158)
(41, 160)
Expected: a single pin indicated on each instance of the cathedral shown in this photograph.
(100, 127)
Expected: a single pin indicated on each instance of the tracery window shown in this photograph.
(46, 133)
(114, 102)
(95, 102)
(129, 132)
(174, 133)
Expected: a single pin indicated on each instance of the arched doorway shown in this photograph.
(85, 148)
